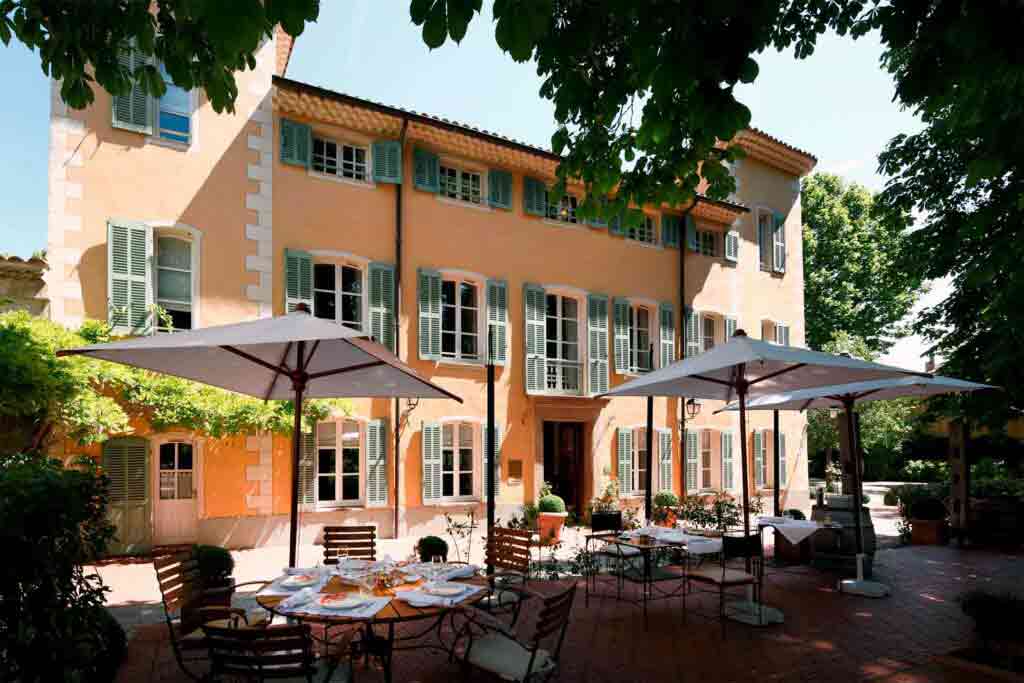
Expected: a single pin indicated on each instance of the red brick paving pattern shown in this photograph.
(826, 637)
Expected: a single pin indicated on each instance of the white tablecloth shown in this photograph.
(275, 588)
(305, 602)
(419, 598)
(695, 545)
(794, 530)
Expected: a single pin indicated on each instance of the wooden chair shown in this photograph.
(509, 553)
(278, 652)
(188, 605)
(501, 652)
(351, 541)
(726, 574)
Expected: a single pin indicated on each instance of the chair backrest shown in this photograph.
(739, 546)
(354, 541)
(510, 550)
(178, 577)
(280, 651)
(553, 619)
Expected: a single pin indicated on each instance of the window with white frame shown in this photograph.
(338, 459)
(174, 111)
(707, 332)
(707, 241)
(457, 455)
(562, 345)
(644, 231)
(460, 319)
(461, 184)
(705, 458)
(340, 159)
(562, 210)
(338, 294)
(174, 281)
(176, 471)
(640, 339)
(639, 461)
(765, 221)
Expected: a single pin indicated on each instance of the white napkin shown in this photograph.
(295, 571)
(299, 599)
(419, 598)
(462, 571)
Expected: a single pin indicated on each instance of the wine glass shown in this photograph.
(436, 566)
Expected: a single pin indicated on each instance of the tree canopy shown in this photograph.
(855, 279)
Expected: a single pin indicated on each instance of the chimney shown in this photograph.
(285, 43)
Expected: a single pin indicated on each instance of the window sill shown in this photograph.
(645, 245)
(465, 205)
(564, 224)
(365, 184)
(457, 362)
(170, 144)
(559, 394)
(349, 507)
(452, 503)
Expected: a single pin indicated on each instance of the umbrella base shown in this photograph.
(754, 613)
(861, 587)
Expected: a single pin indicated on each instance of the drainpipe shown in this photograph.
(682, 337)
(398, 309)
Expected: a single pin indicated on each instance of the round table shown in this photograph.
(396, 612)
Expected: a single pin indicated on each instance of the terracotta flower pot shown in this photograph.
(550, 526)
(929, 531)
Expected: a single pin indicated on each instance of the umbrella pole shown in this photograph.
(777, 506)
(648, 456)
(741, 391)
(299, 384)
(490, 477)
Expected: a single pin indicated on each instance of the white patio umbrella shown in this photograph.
(845, 396)
(291, 357)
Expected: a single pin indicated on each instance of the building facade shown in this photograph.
(443, 243)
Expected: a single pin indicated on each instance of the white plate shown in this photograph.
(299, 581)
(341, 603)
(446, 590)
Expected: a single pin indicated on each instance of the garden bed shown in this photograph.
(978, 661)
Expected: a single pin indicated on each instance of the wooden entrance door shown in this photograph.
(563, 461)
(176, 513)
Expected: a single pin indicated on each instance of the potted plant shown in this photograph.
(664, 513)
(430, 547)
(605, 514)
(551, 516)
(928, 524)
(215, 566)
(999, 646)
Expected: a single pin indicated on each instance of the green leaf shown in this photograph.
(748, 71)
(435, 28)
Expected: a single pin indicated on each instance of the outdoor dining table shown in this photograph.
(384, 608)
(797, 530)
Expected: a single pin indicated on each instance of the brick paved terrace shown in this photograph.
(826, 636)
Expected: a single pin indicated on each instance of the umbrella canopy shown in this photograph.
(767, 369)
(290, 357)
(878, 390)
(251, 357)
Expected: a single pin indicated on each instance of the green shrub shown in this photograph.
(995, 488)
(891, 498)
(431, 546)
(666, 499)
(551, 503)
(215, 564)
(796, 514)
(930, 471)
(931, 509)
(53, 520)
(997, 616)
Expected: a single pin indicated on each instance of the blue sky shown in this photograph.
(837, 104)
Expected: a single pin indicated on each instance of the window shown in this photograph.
(643, 232)
(562, 347)
(457, 461)
(338, 159)
(639, 461)
(639, 339)
(176, 471)
(174, 282)
(764, 240)
(705, 458)
(463, 185)
(174, 113)
(563, 210)
(338, 294)
(337, 473)
(707, 324)
(706, 242)
(460, 321)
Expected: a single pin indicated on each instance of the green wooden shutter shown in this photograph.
(625, 455)
(382, 304)
(667, 320)
(536, 363)
(732, 246)
(134, 110)
(429, 296)
(298, 279)
(497, 322)
(665, 459)
(727, 461)
(621, 330)
(489, 469)
(387, 161)
(431, 459)
(129, 288)
(783, 474)
(499, 189)
(296, 143)
(691, 233)
(126, 464)
(307, 468)
(764, 243)
(377, 462)
(759, 459)
(426, 170)
(597, 334)
(670, 228)
(535, 194)
(730, 327)
(692, 452)
(693, 336)
(779, 243)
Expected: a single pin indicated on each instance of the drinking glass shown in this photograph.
(436, 566)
